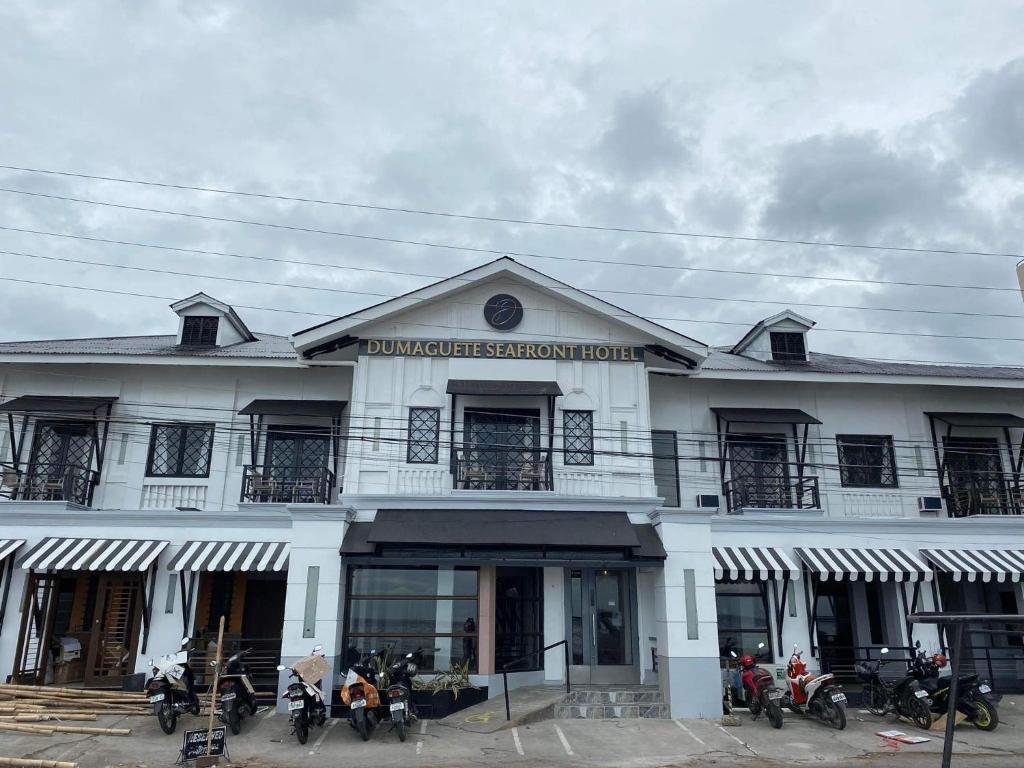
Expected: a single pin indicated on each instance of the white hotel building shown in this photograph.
(490, 465)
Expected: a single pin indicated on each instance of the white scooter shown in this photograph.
(815, 695)
(172, 689)
(305, 699)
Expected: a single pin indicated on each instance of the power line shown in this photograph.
(504, 220)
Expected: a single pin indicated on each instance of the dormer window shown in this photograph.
(788, 347)
(199, 331)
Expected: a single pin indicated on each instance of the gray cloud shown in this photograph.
(644, 137)
(987, 121)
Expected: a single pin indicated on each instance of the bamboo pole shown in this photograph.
(25, 728)
(88, 693)
(213, 690)
(24, 762)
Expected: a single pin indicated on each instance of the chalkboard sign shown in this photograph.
(194, 744)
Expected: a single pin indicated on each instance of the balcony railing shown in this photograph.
(487, 470)
(49, 482)
(987, 495)
(287, 485)
(771, 493)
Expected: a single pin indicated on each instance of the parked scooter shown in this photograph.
(974, 697)
(904, 695)
(759, 686)
(360, 693)
(172, 689)
(818, 696)
(401, 706)
(237, 694)
(305, 699)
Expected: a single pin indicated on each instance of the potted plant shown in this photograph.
(448, 691)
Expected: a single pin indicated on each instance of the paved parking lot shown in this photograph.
(265, 742)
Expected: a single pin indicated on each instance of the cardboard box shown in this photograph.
(68, 672)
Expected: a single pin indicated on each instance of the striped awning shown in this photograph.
(92, 554)
(866, 564)
(751, 563)
(975, 564)
(231, 556)
(8, 546)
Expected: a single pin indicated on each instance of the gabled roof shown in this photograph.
(768, 322)
(505, 266)
(225, 309)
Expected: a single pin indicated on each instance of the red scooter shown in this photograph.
(760, 690)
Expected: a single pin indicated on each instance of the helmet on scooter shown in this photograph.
(939, 660)
(747, 661)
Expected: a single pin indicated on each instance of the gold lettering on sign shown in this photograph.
(509, 350)
(373, 347)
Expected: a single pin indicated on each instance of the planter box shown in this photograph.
(434, 706)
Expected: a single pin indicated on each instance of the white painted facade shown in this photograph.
(676, 620)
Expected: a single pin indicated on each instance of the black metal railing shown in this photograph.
(984, 495)
(503, 470)
(774, 493)
(262, 662)
(287, 485)
(48, 482)
(508, 668)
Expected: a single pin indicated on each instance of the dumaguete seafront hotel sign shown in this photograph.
(505, 350)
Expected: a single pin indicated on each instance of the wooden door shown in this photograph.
(37, 614)
(115, 630)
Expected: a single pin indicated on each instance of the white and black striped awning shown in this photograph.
(866, 564)
(92, 554)
(749, 563)
(975, 564)
(8, 546)
(231, 556)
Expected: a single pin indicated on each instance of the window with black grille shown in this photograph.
(578, 434)
(788, 347)
(200, 331)
(665, 457)
(866, 461)
(424, 433)
(180, 450)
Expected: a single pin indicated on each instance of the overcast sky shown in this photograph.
(891, 123)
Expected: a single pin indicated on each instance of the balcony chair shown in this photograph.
(262, 487)
(476, 476)
(532, 475)
(11, 480)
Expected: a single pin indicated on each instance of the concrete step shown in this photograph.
(613, 696)
(611, 711)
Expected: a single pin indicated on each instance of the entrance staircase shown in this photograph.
(589, 702)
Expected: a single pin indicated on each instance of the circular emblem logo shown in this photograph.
(503, 312)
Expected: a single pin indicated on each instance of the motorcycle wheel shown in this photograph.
(987, 718)
(836, 714)
(301, 728)
(918, 712)
(234, 718)
(166, 715)
(359, 718)
(403, 728)
(774, 713)
(876, 700)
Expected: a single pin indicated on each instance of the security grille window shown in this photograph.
(866, 461)
(578, 434)
(200, 331)
(424, 432)
(666, 466)
(180, 450)
(742, 617)
(402, 609)
(788, 347)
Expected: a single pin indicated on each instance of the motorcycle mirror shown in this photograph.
(213, 663)
(760, 646)
(885, 650)
(733, 654)
(317, 648)
(152, 664)
(184, 641)
(281, 667)
(917, 644)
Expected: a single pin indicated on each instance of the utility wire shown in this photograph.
(504, 220)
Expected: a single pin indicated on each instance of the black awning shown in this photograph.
(502, 387)
(355, 542)
(765, 415)
(55, 404)
(650, 547)
(294, 408)
(964, 419)
(503, 528)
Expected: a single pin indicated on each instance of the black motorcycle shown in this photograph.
(172, 689)
(974, 696)
(401, 706)
(305, 698)
(903, 695)
(237, 694)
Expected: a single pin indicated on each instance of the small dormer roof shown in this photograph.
(766, 324)
(226, 310)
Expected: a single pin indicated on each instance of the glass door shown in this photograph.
(602, 633)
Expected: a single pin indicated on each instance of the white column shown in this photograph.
(554, 623)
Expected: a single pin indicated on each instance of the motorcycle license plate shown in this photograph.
(984, 689)
(774, 694)
(297, 704)
(156, 697)
(837, 697)
(921, 694)
(398, 706)
(228, 697)
(357, 704)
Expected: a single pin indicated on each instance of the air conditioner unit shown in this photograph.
(708, 501)
(929, 506)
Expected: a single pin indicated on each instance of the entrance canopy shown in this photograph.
(324, 408)
(975, 564)
(9, 546)
(765, 416)
(964, 419)
(866, 564)
(231, 556)
(55, 404)
(502, 388)
(92, 554)
(750, 563)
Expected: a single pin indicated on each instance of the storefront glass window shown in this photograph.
(403, 609)
(742, 618)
